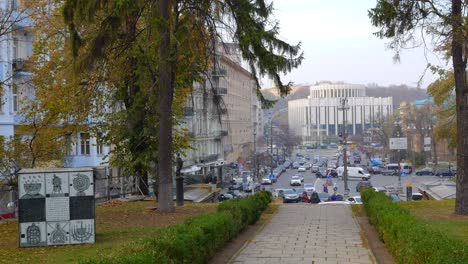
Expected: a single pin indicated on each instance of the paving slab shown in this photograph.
(305, 233)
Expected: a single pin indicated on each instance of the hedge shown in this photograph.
(409, 239)
(198, 238)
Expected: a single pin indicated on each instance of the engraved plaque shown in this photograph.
(57, 184)
(81, 184)
(33, 234)
(31, 186)
(58, 233)
(82, 231)
(57, 209)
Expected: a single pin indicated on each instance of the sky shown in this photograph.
(338, 45)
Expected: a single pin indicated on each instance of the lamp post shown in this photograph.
(255, 155)
(271, 143)
(344, 107)
(397, 124)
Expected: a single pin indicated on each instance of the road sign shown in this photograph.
(399, 143)
(402, 174)
(427, 148)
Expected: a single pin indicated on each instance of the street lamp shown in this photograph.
(344, 107)
(397, 124)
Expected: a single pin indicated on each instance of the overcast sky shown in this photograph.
(338, 45)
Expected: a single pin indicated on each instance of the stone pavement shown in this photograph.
(305, 233)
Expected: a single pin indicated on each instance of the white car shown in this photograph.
(355, 199)
(266, 180)
(301, 169)
(295, 180)
(309, 187)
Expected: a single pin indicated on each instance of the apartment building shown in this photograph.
(17, 88)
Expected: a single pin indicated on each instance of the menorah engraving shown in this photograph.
(82, 232)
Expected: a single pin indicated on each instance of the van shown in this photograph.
(354, 173)
(405, 167)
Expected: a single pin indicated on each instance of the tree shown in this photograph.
(181, 36)
(445, 21)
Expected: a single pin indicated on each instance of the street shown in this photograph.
(376, 180)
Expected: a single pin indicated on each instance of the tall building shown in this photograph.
(223, 114)
(319, 115)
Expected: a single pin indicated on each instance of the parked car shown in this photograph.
(314, 168)
(224, 197)
(290, 196)
(309, 187)
(236, 186)
(444, 173)
(295, 181)
(361, 184)
(425, 171)
(266, 180)
(321, 173)
(355, 199)
(252, 186)
(301, 169)
(417, 196)
(237, 194)
(295, 165)
(375, 170)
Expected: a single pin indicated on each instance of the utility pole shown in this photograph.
(255, 155)
(344, 107)
(271, 143)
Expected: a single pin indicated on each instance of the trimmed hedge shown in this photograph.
(408, 239)
(198, 238)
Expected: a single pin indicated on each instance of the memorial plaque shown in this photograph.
(81, 184)
(32, 186)
(33, 234)
(82, 231)
(56, 207)
(58, 233)
(57, 185)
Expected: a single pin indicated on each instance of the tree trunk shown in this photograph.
(459, 66)
(165, 197)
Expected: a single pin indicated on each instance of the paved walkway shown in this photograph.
(305, 233)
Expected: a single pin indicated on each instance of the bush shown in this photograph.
(407, 238)
(197, 239)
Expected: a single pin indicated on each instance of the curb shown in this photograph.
(363, 237)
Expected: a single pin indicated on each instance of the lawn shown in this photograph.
(117, 224)
(440, 215)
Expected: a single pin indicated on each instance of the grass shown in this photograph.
(440, 215)
(358, 210)
(117, 226)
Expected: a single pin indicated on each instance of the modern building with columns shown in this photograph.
(319, 115)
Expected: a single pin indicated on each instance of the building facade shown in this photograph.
(222, 116)
(17, 88)
(320, 116)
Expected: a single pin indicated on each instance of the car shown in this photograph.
(321, 173)
(301, 169)
(355, 200)
(375, 170)
(301, 176)
(379, 189)
(295, 165)
(314, 168)
(334, 203)
(332, 172)
(291, 196)
(426, 171)
(252, 186)
(237, 194)
(287, 164)
(266, 180)
(390, 189)
(309, 187)
(416, 196)
(295, 181)
(224, 197)
(361, 184)
(236, 186)
(444, 173)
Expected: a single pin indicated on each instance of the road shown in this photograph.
(376, 180)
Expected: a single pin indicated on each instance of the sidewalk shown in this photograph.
(305, 233)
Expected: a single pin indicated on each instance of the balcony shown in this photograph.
(219, 72)
(209, 158)
(20, 65)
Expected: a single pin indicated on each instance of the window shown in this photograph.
(15, 98)
(84, 143)
(99, 145)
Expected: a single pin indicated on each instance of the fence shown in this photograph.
(7, 196)
(109, 187)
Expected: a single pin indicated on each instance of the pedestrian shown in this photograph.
(314, 198)
(325, 188)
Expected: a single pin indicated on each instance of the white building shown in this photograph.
(319, 115)
(15, 79)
